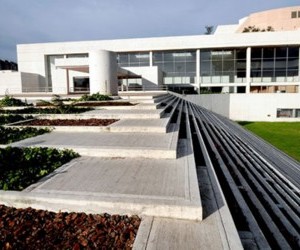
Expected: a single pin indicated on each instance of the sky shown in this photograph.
(39, 21)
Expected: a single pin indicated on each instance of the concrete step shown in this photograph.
(146, 187)
(110, 114)
(140, 106)
(106, 144)
(142, 126)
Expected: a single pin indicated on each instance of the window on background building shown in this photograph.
(137, 59)
(297, 113)
(294, 14)
(81, 84)
(179, 67)
(285, 113)
(279, 64)
(78, 55)
(223, 66)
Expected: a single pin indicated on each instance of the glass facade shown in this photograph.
(223, 66)
(278, 64)
(179, 67)
(133, 59)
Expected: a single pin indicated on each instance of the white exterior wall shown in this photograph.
(10, 82)
(59, 81)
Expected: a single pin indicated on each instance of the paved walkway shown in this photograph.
(149, 173)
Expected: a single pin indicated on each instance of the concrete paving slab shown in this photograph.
(137, 125)
(163, 233)
(105, 144)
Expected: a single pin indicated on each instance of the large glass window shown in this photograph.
(223, 65)
(179, 67)
(279, 64)
(137, 59)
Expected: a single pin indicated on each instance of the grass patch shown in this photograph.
(283, 135)
(9, 135)
(21, 167)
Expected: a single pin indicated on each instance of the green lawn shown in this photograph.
(283, 135)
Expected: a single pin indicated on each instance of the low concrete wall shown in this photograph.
(10, 82)
(262, 107)
(218, 103)
(248, 107)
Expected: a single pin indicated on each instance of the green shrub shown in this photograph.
(9, 101)
(21, 167)
(9, 135)
(95, 97)
(58, 105)
(6, 119)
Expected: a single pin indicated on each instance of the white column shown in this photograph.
(198, 69)
(248, 70)
(151, 58)
(103, 72)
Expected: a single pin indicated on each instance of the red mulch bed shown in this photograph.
(39, 229)
(70, 122)
(96, 104)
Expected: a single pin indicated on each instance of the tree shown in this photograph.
(7, 65)
(209, 29)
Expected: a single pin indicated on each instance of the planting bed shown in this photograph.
(39, 229)
(21, 167)
(69, 122)
(9, 135)
(5, 119)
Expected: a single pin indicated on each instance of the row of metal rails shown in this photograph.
(260, 183)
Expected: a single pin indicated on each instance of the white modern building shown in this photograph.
(229, 61)
(234, 60)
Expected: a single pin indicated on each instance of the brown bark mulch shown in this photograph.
(39, 229)
(70, 122)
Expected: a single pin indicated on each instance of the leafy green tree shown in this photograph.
(209, 29)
